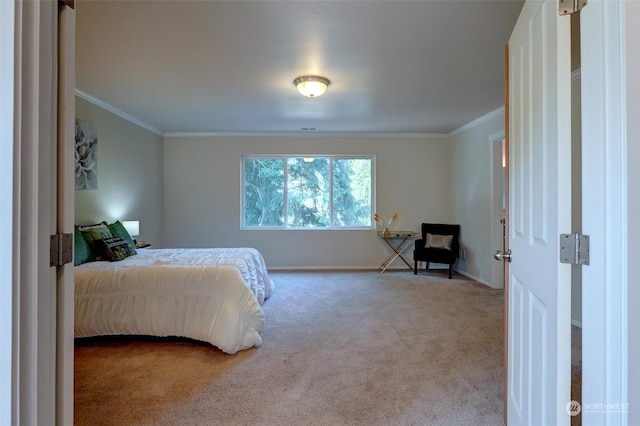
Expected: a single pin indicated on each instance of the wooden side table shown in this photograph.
(399, 241)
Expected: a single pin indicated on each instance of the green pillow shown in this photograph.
(93, 234)
(118, 230)
(81, 251)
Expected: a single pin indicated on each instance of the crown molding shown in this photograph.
(306, 135)
(575, 75)
(478, 121)
(99, 103)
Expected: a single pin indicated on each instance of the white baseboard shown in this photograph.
(324, 268)
(373, 268)
(394, 267)
(355, 268)
(480, 280)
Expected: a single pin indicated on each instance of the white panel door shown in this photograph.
(539, 340)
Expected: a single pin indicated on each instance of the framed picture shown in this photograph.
(86, 155)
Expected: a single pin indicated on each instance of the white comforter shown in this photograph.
(213, 295)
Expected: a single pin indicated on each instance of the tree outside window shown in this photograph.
(328, 192)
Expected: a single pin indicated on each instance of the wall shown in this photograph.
(471, 188)
(202, 196)
(130, 174)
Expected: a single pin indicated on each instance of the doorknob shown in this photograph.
(500, 256)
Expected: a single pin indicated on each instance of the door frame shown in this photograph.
(604, 73)
(33, 281)
(66, 107)
(496, 141)
(7, 49)
(632, 17)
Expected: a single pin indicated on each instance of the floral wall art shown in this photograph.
(86, 155)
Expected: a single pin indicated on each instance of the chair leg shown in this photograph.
(415, 267)
(450, 268)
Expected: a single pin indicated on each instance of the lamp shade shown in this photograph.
(132, 227)
(311, 86)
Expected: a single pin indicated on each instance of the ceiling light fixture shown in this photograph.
(311, 86)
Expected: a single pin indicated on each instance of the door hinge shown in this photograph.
(574, 249)
(569, 7)
(60, 249)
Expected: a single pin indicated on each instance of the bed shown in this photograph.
(213, 295)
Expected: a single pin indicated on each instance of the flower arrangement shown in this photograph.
(385, 230)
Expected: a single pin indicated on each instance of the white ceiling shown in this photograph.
(228, 66)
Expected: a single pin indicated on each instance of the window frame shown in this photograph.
(285, 158)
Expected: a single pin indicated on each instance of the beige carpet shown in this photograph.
(340, 348)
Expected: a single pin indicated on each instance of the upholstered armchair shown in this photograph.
(439, 244)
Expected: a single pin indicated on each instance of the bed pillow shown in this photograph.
(115, 248)
(118, 230)
(93, 234)
(81, 251)
(439, 241)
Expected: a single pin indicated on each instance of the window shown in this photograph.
(293, 192)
